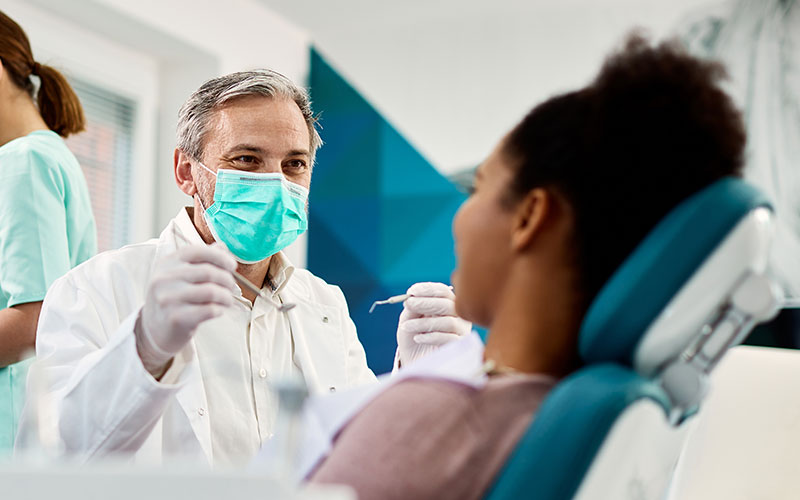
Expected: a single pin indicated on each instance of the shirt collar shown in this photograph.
(280, 270)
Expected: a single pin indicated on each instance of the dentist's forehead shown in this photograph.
(260, 124)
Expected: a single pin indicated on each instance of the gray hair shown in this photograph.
(195, 114)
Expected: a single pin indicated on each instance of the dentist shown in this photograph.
(154, 350)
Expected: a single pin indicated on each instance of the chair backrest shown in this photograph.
(691, 289)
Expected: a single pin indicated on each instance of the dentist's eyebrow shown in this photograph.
(247, 147)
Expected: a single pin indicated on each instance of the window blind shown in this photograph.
(105, 153)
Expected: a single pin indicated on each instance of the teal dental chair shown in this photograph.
(693, 288)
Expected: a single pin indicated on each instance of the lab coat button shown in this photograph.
(333, 389)
(201, 411)
(325, 319)
(262, 373)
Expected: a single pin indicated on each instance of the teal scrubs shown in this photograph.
(46, 229)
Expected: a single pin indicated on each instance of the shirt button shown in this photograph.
(325, 319)
(201, 411)
(332, 389)
(262, 373)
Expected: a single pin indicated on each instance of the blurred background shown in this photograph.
(412, 96)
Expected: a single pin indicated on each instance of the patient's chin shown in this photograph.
(464, 311)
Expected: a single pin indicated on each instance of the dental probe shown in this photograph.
(247, 284)
(396, 299)
(391, 300)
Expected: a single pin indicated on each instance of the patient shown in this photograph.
(557, 207)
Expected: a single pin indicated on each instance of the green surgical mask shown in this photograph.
(256, 215)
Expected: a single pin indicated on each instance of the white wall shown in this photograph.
(158, 52)
(454, 75)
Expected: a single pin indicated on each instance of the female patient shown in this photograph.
(557, 207)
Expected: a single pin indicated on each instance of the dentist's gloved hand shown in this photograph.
(189, 287)
(428, 320)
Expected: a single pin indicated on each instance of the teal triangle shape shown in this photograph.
(354, 223)
(431, 256)
(330, 92)
(405, 219)
(348, 169)
(338, 264)
(338, 135)
(416, 177)
(379, 211)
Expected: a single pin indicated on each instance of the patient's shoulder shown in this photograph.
(428, 438)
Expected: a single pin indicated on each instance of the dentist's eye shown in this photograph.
(295, 166)
(249, 159)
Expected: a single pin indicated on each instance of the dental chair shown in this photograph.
(693, 288)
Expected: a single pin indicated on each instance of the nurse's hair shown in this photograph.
(653, 128)
(196, 113)
(59, 106)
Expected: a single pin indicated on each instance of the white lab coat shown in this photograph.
(89, 386)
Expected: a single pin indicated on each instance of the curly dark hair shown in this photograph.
(653, 128)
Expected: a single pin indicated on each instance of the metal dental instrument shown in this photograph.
(391, 300)
(247, 284)
(396, 299)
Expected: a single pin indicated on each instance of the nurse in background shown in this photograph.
(46, 222)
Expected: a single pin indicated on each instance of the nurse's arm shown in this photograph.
(18, 331)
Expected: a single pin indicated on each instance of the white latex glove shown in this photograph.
(428, 320)
(189, 287)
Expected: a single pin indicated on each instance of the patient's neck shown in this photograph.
(536, 325)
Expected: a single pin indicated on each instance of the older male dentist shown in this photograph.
(155, 350)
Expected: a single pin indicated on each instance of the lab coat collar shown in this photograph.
(185, 226)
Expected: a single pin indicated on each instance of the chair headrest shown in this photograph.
(723, 231)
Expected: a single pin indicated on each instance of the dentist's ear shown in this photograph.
(183, 172)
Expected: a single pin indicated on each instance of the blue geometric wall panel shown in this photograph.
(380, 214)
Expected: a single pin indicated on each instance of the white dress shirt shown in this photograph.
(240, 353)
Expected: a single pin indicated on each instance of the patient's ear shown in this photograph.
(183, 172)
(530, 216)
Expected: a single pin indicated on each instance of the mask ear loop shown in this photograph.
(197, 194)
(200, 202)
(209, 170)
(205, 209)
